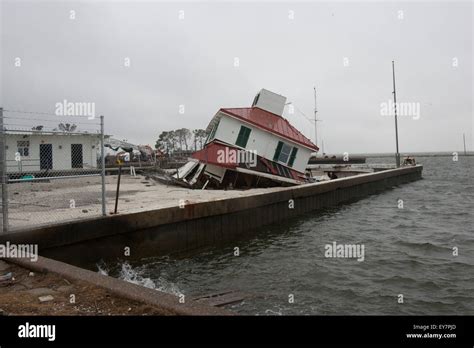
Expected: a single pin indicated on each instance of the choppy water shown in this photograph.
(408, 251)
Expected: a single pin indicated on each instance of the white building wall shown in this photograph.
(61, 156)
(263, 142)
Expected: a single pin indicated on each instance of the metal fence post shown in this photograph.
(3, 174)
(102, 158)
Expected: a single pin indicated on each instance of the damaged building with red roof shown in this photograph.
(250, 147)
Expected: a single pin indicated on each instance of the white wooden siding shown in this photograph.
(265, 143)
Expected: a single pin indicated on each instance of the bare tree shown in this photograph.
(200, 136)
(184, 136)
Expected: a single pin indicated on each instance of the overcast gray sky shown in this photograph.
(284, 47)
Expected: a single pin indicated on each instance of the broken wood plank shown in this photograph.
(221, 298)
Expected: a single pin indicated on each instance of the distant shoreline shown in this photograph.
(419, 154)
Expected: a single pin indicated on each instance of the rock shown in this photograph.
(18, 287)
(6, 276)
(65, 288)
(46, 298)
(41, 291)
(28, 283)
(31, 274)
(4, 266)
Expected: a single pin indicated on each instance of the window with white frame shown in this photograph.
(23, 147)
(285, 154)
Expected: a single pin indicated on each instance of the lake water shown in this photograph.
(407, 252)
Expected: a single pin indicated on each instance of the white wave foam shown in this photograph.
(131, 275)
(102, 268)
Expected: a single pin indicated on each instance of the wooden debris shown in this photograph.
(221, 298)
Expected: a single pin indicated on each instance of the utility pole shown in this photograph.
(397, 155)
(464, 140)
(315, 119)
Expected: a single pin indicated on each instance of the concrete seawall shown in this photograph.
(199, 225)
(169, 304)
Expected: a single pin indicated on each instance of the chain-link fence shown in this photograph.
(52, 168)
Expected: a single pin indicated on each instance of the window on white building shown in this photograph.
(285, 153)
(23, 147)
(243, 136)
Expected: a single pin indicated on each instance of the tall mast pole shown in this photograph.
(315, 119)
(464, 140)
(397, 155)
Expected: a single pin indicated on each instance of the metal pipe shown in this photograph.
(25, 131)
(4, 175)
(102, 157)
(54, 178)
(118, 189)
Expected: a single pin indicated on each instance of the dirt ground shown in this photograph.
(40, 203)
(20, 296)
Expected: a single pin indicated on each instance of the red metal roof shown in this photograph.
(270, 122)
(210, 155)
